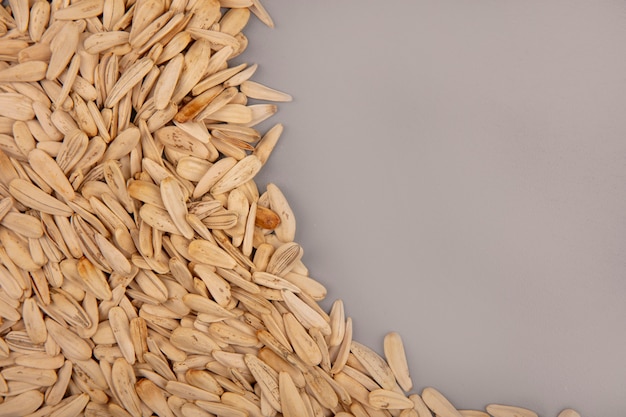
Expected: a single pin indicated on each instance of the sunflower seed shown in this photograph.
(131, 77)
(153, 397)
(568, 412)
(396, 357)
(31, 196)
(192, 341)
(498, 410)
(123, 385)
(73, 347)
(438, 403)
(24, 72)
(22, 404)
(267, 379)
(80, 10)
(472, 413)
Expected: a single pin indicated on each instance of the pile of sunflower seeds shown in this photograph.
(142, 272)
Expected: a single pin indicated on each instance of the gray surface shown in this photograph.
(458, 172)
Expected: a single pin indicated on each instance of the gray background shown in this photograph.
(458, 172)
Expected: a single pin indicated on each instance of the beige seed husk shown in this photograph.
(266, 145)
(284, 259)
(302, 343)
(73, 347)
(499, 410)
(123, 384)
(216, 79)
(221, 409)
(207, 103)
(158, 218)
(18, 250)
(12, 47)
(22, 404)
(167, 82)
(73, 407)
(38, 19)
(419, 406)
(16, 106)
(386, 399)
(259, 91)
(74, 150)
(204, 379)
(34, 322)
(69, 79)
(63, 47)
(24, 72)
(374, 364)
(153, 397)
(176, 138)
(41, 361)
(438, 403)
(204, 305)
(396, 358)
(120, 326)
(473, 413)
(286, 230)
(240, 173)
(174, 200)
(193, 341)
(44, 165)
(35, 376)
(23, 224)
(195, 62)
(568, 412)
(131, 77)
(305, 314)
(203, 251)
(122, 145)
(93, 279)
(190, 392)
(20, 12)
(33, 197)
(99, 42)
(267, 379)
(80, 10)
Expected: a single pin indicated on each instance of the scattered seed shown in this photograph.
(141, 269)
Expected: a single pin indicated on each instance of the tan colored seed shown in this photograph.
(203, 251)
(396, 357)
(568, 412)
(259, 91)
(499, 410)
(34, 322)
(72, 345)
(438, 403)
(47, 168)
(16, 106)
(386, 399)
(22, 404)
(31, 196)
(267, 379)
(63, 47)
(80, 10)
(25, 72)
(129, 79)
(153, 397)
(473, 413)
(192, 341)
(123, 381)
